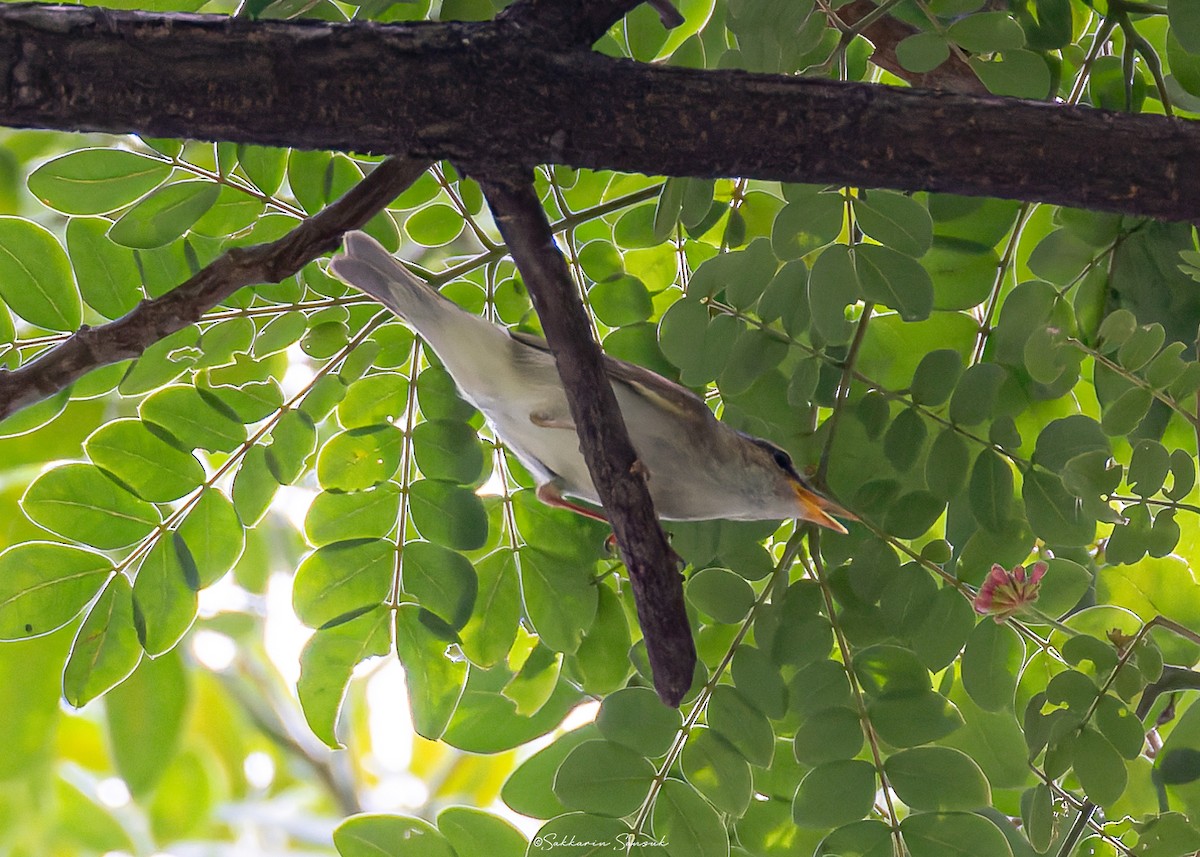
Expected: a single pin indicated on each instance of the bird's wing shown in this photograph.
(641, 381)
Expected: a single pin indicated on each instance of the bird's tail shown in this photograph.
(365, 264)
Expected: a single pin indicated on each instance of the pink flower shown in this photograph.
(1005, 592)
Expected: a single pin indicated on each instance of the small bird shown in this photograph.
(697, 467)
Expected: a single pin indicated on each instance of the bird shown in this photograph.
(697, 467)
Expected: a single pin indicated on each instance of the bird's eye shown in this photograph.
(783, 460)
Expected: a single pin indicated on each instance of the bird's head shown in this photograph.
(789, 490)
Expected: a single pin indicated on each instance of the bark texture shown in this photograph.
(485, 95)
(610, 456)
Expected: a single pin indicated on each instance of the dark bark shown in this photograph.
(483, 95)
(653, 566)
(151, 320)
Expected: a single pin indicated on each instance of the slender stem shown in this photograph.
(816, 569)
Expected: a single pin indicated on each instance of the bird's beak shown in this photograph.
(815, 508)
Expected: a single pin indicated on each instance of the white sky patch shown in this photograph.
(284, 635)
(259, 769)
(214, 649)
(299, 374)
(112, 792)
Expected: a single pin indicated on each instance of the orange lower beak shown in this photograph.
(815, 508)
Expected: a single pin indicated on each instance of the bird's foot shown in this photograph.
(542, 419)
(551, 496)
(639, 468)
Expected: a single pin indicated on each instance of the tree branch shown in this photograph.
(474, 94)
(604, 441)
(151, 320)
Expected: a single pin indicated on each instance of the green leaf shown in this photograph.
(1185, 24)
(951, 834)
(492, 627)
(832, 286)
(635, 718)
(721, 594)
(987, 32)
(106, 649)
(107, 274)
(922, 52)
(473, 831)
(915, 718)
(889, 277)
(152, 468)
(834, 794)
(698, 345)
(434, 225)
(327, 664)
(435, 682)
(442, 581)
(145, 717)
(990, 664)
(603, 778)
(342, 580)
(1099, 767)
(334, 517)
(786, 298)
(828, 735)
(378, 835)
(937, 778)
(974, 398)
(529, 789)
(948, 620)
(1016, 74)
(1053, 513)
(263, 165)
(96, 181)
(164, 595)
(717, 771)
(164, 215)
(895, 220)
(758, 681)
(1123, 415)
(1148, 468)
(447, 450)
(807, 224)
(79, 502)
(214, 536)
(448, 515)
(905, 439)
(602, 663)
(43, 586)
(36, 281)
(253, 487)
(886, 670)
(743, 726)
(621, 301)
(687, 823)
(947, 465)
(936, 376)
(1066, 438)
(560, 598)
(293, 439)
(193, 419)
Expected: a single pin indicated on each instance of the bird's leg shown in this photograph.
(549, 494)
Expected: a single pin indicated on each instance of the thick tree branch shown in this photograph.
(151, 320)
(475, 94)
(604, 441)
